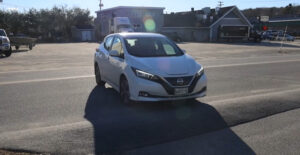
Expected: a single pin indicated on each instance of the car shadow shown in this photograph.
(19, 51)
(119, 127)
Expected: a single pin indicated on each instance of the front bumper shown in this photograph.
(4, 47)
(158, 93)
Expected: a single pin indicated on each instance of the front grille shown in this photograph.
(174, 80)
(170, 89)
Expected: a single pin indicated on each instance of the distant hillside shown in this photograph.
(288, 11)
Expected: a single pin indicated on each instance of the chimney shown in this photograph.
(192, 9)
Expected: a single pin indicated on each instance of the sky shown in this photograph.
(170, 5)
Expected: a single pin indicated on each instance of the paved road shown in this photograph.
(58, 108)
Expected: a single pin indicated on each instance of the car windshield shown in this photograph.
(2, 33)
(151, 47)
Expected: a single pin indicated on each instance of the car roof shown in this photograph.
(139, 34)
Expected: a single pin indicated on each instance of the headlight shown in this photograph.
(145, 75)
(5, 40)
(200, 72)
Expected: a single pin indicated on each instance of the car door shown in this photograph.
(116, 64)
(102, 57)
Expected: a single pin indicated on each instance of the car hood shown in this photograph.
(166, 66)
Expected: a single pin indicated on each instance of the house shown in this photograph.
(208, 24)
(140, 18)
(83, 33)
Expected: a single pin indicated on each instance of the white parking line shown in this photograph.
(89, 76)
(9, 135)
(251, 63)
(213, 66)
(42, 70)
(255, 96)
(48, 79)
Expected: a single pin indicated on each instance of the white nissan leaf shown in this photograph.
(148, 67)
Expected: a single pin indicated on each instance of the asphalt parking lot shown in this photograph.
(49, 103)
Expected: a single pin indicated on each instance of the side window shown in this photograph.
(168, 49)
(117, 45)
(108, 42)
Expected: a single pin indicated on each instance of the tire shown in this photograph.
(30, 46)
(98, 76)
(191, 100)
(8, 53)
(17, 47)
(124, 91)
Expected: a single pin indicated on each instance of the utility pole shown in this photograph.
(99, 25)
(220, 4)
(100, 5)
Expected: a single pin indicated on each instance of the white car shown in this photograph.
(148, 67)
(285, 37)
(5, 47)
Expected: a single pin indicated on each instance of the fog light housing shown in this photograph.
(143, 94)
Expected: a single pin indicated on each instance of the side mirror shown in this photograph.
(184, 51)
(114, 53)
(97, 50)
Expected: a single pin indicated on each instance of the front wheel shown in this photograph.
(124, 91)
(8, 53)
(30, 47)
(98, 76)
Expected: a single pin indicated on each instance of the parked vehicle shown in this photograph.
(121, 24)
(117, 25)
(22, 40)
(285, 37)
(269, 35)
(5, 47)
(148, 67)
